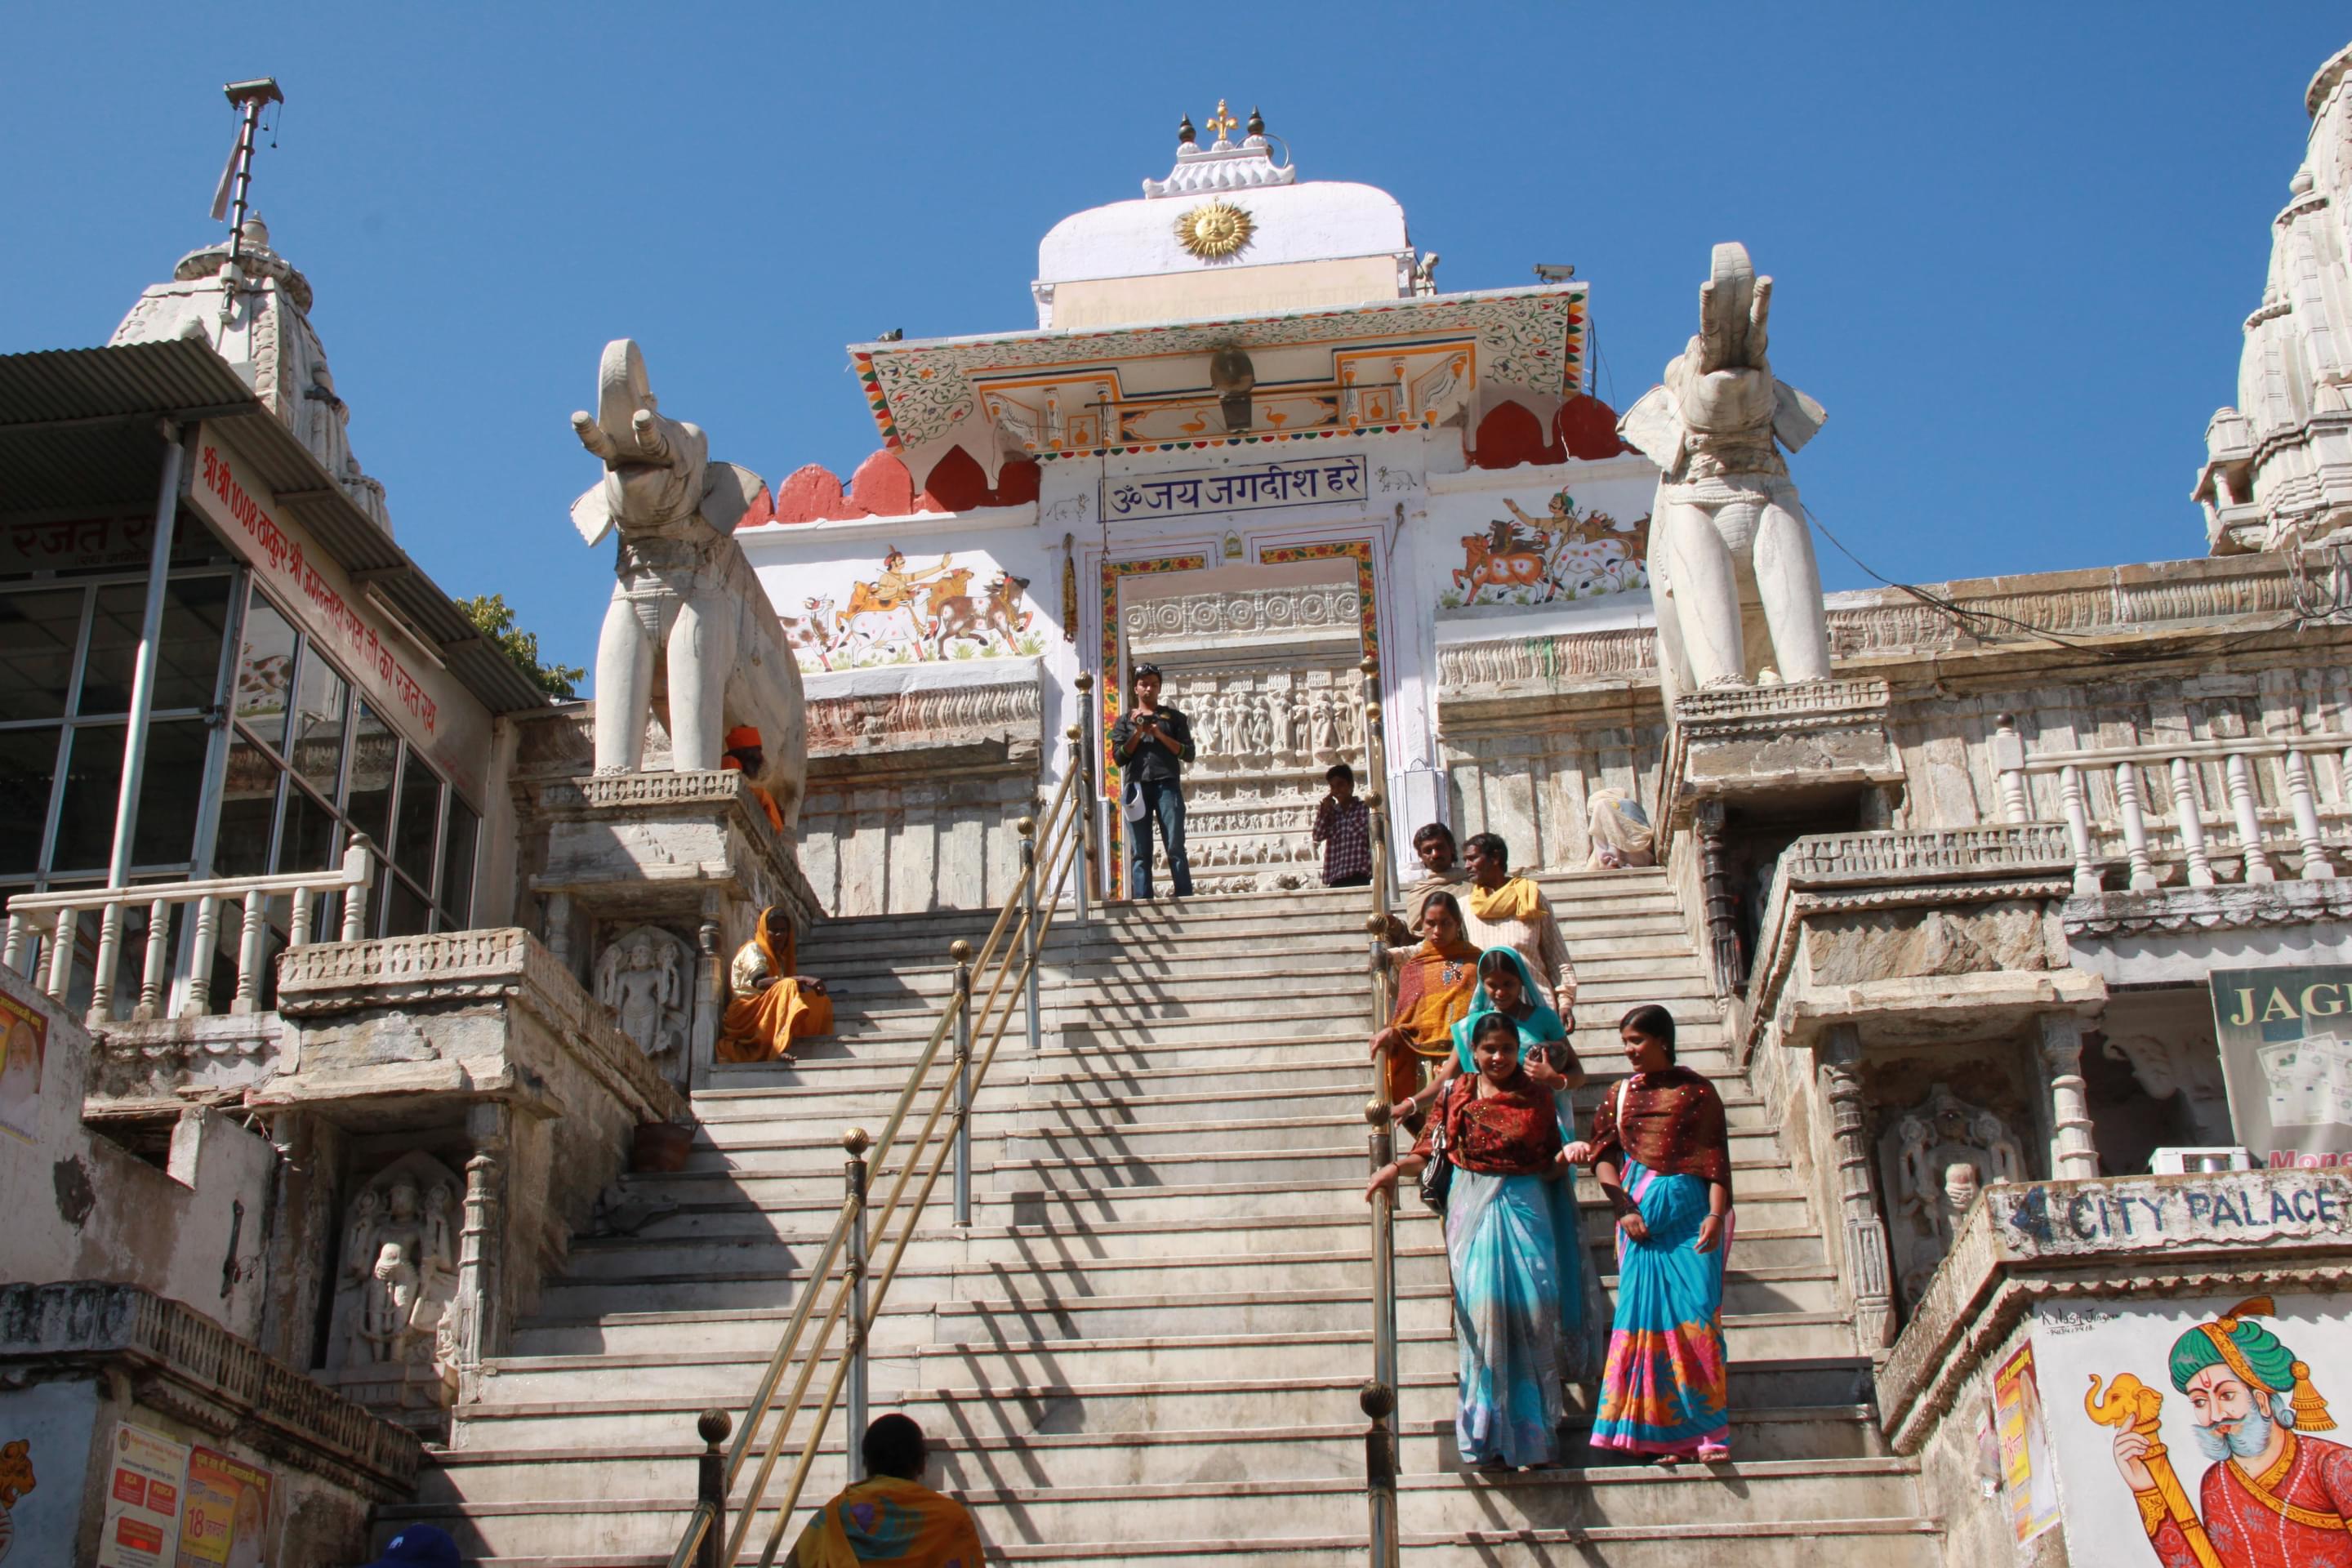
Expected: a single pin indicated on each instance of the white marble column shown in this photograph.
(2071, 1156)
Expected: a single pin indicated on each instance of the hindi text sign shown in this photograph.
(1336, 480)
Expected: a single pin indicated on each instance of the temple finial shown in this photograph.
(1256, 126)
(1185, 135)
(1223, 123)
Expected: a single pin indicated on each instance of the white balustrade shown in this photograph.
(54, 919)
(2236, 837)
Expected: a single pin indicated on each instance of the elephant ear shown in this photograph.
(591, 514)
(1796, 418)
(1655, 428)
(728, 492)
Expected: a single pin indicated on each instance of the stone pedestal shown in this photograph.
(651, 880)
(1791, 745)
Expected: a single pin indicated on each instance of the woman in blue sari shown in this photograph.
(1662, 1150)
(1514, 1266)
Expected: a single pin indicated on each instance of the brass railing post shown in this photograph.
(1027, 829)
(1378, 1401)
(961, 950)
(710, 1485)
(1082, 755)
(853, 1174)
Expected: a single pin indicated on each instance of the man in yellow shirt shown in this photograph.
(1499, 910)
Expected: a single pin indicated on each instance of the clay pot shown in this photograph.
(660, 1148)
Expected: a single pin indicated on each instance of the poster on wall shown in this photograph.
(2029, 1477)
(23, 1048)
(226, 1520)
(148, 1479)
(2200, 1431)
(44, 1432)
(2285, 1037)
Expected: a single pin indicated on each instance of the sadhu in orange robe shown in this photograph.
(761, 1024)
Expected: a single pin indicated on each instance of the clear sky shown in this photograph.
(2015, 244)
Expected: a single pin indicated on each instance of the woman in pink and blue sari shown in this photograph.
(1662, 1150)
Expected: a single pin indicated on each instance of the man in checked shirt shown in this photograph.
(1343, 826)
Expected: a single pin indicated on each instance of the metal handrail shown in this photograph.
(852, 1292)
(1378, 1397)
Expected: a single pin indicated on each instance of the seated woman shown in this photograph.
(1435, 980)
(1662, 1150)
(1511, 1244)
(773, 1005)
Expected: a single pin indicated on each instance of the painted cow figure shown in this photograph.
(866, 630)
(996, 613)
(1505, 556)
(811, 632)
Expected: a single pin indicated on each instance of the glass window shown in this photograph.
(187, 659)
(306, 841)
(28, 764)
(417, 841)
(166, 833)
(265, 673)
(375, 763)
(315, 740)
(37, 632)
(248, 810)
(405, 912)
(93, 788)
(458, 865)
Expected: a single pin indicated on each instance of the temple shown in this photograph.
(383, 1154)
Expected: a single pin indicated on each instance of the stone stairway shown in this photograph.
(1146, 1347)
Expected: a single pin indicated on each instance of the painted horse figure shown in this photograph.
(688, 616)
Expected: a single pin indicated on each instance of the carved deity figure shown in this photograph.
(1732, 563)
(398, 1280)
(644, 977)
(1326, 741)
(1936, 1157)
(688, 615)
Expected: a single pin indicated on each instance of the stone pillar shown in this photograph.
(1724, 963)
(1868, 1274)
(710, 994)
(299, 1252)
(478, 1272)
(2071, 1156)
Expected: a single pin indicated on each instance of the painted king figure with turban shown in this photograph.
(2273, 1495)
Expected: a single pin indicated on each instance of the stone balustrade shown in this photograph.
(38, 921)
(2219, 808)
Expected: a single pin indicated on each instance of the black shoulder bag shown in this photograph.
(1437, 1175)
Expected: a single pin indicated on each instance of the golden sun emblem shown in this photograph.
(1214, 230)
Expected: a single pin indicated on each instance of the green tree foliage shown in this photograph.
(496, 618)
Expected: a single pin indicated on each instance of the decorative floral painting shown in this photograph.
(1569, 552)
(906, 614)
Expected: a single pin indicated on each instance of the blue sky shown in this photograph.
(2013, 243)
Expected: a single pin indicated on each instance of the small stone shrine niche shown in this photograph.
(394, 1336)
(645, 977)
(1935, 1158)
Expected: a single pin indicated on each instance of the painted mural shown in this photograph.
(906, 614)
(2193, 1431)
(1569, 552)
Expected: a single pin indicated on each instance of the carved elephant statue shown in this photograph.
(689, 633)
(1732, 568)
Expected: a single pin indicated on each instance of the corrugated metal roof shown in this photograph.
(73, 434)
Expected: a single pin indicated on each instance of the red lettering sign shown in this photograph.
(131, 1487)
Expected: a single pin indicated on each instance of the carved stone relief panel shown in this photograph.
(645, 977)
(394, 1335)
(1935, 1158)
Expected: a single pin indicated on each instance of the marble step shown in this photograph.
(1010, 1453)
(1634, 1496)
(1090, 1135)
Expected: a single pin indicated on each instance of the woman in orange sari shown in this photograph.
(1435, 984)
(773, 1005)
